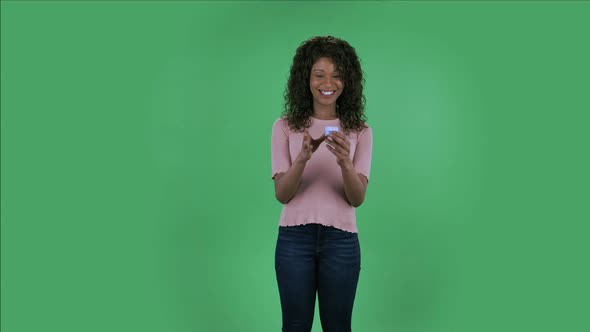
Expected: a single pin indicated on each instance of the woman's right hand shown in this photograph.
(309, 146)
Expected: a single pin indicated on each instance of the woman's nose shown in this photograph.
(328, 82)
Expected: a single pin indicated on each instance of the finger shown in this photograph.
(332, 140)
(340, 139)
(335, 151)
(344, 138)
(340, 134)
(341, 146)
(322, 138)
(343, 151)
(334, 146)
(331, 148)
(334, 134)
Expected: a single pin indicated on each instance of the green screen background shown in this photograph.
(136, 185)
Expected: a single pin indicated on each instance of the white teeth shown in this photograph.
(327, 93)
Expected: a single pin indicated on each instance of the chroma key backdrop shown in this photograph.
(136, 170)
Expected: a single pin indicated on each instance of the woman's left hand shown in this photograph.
(339, 145)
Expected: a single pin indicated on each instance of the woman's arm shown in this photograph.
(355, 184)
(286, 184)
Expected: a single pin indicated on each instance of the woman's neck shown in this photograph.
(325, 112)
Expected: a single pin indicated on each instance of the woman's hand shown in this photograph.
(309, 146)
(355, 184)
(339, 145)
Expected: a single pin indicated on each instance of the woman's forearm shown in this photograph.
(354, 187)
(286, 184)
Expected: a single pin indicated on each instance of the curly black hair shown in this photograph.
(350, 105)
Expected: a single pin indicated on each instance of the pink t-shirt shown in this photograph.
(320, 198)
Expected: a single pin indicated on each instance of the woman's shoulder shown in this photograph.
(366, 127)
(363, 131)
(281, 122)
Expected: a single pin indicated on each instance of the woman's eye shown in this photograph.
(321, 76)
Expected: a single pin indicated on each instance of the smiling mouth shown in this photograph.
(327, 93)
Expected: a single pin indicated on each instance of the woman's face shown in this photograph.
(325, 82)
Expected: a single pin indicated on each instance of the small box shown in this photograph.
(328, 130)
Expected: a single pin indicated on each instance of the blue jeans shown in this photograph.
(310, 258)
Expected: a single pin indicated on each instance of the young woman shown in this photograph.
(320, 176)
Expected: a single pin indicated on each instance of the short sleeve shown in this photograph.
(363, 152)
(280, 156)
